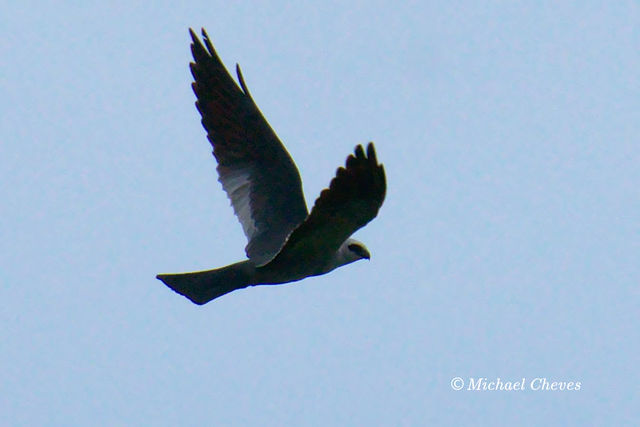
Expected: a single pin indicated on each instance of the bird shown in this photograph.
(286, 242)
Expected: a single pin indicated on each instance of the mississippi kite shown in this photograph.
(286, 243)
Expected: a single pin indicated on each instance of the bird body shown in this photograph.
(286, 243)
(203, 286)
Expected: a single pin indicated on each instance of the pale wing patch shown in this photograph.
(237, 184)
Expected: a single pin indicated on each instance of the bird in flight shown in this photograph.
(286, 243)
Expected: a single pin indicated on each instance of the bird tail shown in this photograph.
(203, 286)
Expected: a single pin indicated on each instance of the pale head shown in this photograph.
(351, 250)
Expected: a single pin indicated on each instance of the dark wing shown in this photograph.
(352, 200)
(254, 168)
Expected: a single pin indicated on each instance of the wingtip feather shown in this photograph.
(371, 153)
(241, 80)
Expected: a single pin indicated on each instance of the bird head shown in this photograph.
(353, 250)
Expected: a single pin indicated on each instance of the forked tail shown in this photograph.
(203, 286)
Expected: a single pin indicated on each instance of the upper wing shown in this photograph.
(254, 168)
(352, 200)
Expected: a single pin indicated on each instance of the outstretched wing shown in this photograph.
(352, 200)
(254, 168)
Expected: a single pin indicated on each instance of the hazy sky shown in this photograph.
(508, 245)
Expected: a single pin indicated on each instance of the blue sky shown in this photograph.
(507, 246)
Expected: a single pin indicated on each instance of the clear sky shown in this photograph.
(508, 245)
